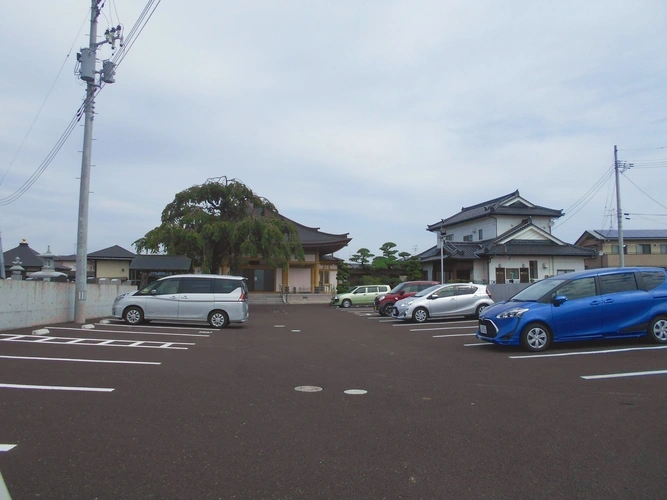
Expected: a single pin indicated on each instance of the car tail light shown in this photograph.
(243, 297)
(488, 292)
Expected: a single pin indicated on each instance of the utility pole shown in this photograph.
(87, 59)
(619, 212)
(2, 260)
(441, 241)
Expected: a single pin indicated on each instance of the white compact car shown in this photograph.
(439, 301)
(218, 300)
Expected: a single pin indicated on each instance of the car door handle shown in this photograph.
(608, 301)
(595, 303)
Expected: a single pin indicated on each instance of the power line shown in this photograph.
(134, 33)
(39, 112)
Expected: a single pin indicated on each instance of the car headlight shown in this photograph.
(407, 304)
(512, 313)
(336, 297)
(381, 298)
(121, 296)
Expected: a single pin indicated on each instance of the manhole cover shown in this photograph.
(355, 391)
(308, 388)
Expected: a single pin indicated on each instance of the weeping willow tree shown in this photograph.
(219, 223)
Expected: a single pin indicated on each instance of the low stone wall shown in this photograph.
(33, 303)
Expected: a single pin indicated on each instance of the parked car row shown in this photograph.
(605, 303)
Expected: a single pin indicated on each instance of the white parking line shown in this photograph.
(6, 447)
(441, 328)
(4, 492)
(122, 323)
(477, 345)
(583, 353)
(55, 388)
(78, 360)
(454, 335)
(621, 375)
(142, 333)
(149, 344)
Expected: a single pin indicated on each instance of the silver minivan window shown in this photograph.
(161, 287)
(196, 285)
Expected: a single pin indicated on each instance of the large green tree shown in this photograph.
(218, 223)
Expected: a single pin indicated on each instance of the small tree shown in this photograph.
(363, 257)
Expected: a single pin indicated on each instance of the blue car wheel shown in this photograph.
(536, 337)
(658, 329)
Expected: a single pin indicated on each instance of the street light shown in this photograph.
(441, 241)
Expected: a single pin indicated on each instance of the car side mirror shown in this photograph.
(559, 299)
(402, 292)
(434, 296)
(153, 292)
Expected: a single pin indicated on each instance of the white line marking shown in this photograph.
(119, 362)
(6, 447)
(92, 342)
(583, 353)
(4, 492)
(141, 333)
(621, 375)
(55, 388)
(477, 345)
(408, 323)
(454, 335)
(122, 323)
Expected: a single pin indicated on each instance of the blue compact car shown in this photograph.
(601, 303)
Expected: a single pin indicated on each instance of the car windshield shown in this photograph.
(537, 290)
(427, 291)
(398, 288)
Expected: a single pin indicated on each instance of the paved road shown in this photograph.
(188, 412)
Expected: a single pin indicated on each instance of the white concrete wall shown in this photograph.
(34, 303)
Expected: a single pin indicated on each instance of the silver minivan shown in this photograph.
(216, 299)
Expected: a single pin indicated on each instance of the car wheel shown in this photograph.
(218, 319)
(420, 315)
(657, 331)
(346, 303)
(479, 310)
(387, 309)
(535, 337)
(133, 315)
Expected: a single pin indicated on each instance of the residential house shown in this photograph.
(642, 247)
(504, 240)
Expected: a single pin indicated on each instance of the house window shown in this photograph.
(480, 234)
(564, 271)
(663, 248)
(512, 274)
(614, 249)
(643, 249)
(467, 237)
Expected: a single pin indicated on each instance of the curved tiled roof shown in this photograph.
(497, 206)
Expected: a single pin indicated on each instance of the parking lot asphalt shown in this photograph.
(184, 411)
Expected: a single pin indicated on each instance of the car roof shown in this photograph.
(602, 271)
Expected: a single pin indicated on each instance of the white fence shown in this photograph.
(33, 303)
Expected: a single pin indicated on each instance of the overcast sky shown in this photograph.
(373, 118)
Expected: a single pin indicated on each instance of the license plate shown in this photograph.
(482, 329)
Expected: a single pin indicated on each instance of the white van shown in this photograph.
(216, 299)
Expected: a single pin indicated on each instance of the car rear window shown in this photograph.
(653, 279)
(620, 282)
